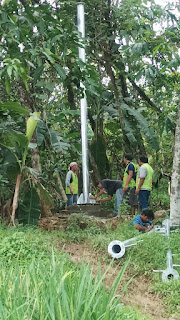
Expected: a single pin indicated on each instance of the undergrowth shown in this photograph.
(146, 256)
(25, 253)
(39, 283)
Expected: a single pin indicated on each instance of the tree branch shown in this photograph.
(143, 95)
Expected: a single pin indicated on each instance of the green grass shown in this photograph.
(143, 258)
(159, 198)
(38, 282)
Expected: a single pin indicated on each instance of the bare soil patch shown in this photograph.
(139, 294)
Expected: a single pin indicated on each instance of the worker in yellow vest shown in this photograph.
(129, 183)
(144, 182)
(72, 185)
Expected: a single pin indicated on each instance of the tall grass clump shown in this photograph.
(57, 292)
(38, 283)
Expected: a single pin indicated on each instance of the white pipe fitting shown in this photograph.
(116, 249)
(169, 274)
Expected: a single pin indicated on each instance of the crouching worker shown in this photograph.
(111, 187)
(142, 221)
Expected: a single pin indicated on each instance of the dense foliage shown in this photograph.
(131, 78)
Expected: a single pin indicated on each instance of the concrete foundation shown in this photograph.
(94, 210)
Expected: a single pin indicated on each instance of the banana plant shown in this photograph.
(14, 140)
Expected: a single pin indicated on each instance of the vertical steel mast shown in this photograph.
(83, 105)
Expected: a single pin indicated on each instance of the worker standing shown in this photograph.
(144, 182)
(129, 183)
(72, 185)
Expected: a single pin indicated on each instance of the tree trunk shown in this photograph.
(117, 94)
(35, 158)
(175, 179)
(15, 198)
(95, 174)
(60, 186)
(135, 148)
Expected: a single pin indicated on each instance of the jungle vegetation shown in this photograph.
(131, 77)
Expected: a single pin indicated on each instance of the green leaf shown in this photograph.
(11, 168)
(41, 131)
(29, 209)
(31, 125)
(41, 96)
(32, 145)
(14, 107)
(156, 49)
(13, 138)
(130, 132)
(12, 171)
(25, 82)
(8, 86)
(41, 26)
(48, 55)
(45, 194)
(58, 37)
(72, 112)
(57, 143)
(9, 71)
(50, 86)
(38, 73)
(36, 174)
(60, 71)
(143, 125)
(6, 2)
(31, 64)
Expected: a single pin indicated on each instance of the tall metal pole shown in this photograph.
(83, 105)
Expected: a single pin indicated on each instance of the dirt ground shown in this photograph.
(139, 294)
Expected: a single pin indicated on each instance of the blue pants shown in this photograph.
(143, 199)
(72, 198)
(117, 201)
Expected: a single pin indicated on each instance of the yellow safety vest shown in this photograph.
(147, 185)
(132, 183)
(73, 184)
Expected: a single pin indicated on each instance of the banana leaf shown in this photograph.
(29, 209)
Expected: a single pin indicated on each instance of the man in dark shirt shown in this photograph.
(111, 187)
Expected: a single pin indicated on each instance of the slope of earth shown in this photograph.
(139, 294)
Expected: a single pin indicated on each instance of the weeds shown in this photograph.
(53, 288)
(38, 284)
